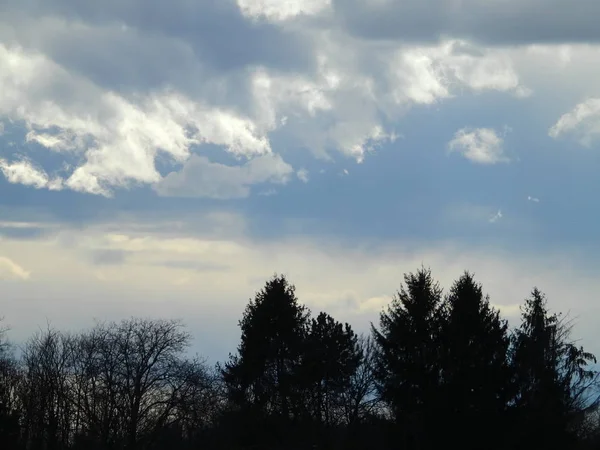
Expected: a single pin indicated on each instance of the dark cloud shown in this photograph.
(24, 233)
(214, 31)
(508, 22)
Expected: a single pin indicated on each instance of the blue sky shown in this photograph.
(163, 159)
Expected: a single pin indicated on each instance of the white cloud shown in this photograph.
(276, 96)
(302, 175)
(479, 145)
(278, 10)
(202, 178)
(338, 105)
(123, 136)
(24, 172)
(340, 93)
(533, 199)
(496, 217)
(427, 74)
(9, 270)
(583, 122)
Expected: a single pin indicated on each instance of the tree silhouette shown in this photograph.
(475, 370)
(438, 371)
(552, 374)
(263, 378)
(360, 398)
(331, 357)
(9, 401)
(45, 391)
(407, 363)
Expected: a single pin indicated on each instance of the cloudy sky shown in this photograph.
(163, 159)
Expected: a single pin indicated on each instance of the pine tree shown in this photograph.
(332, 355)
(552, 375)
(264, 372)
(407, 363)
(476, 372)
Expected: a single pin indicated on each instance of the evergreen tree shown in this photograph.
(476, 372)
(331, 358)
(262, 378)
(552, 375)
(407, 363)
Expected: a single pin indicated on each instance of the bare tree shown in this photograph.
(361, 399)
(151, 376)
(45, 391)
(9, 385)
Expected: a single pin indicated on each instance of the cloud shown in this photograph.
(533, 199)
(202, 178)
(479, 145)
(190, 275)
(583, 122)
(108, 257)
(176, 31)
(118, 90)
(23, 172)
(508, 22)
(496, 217)
(277, 10)
(302, 175)
(119, 139)
(9, 270)
(472, 218)
(429, 73)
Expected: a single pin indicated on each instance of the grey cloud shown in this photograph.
(107, 257)
(24, 233)
(214, 30)
(510, 22)
(201, 178)
(197, 266)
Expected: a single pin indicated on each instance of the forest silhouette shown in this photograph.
(440, 369)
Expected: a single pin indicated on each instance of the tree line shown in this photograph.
(438, 369)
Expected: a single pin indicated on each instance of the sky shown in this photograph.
(164, 159)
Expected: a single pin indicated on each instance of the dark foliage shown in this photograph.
(437, 371)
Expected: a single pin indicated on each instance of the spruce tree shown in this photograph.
(407, 362)
(262, 378)
(553, 376)
(476, 373)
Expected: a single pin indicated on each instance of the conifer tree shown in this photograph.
(407, 363)
(476, 372)
(264, 372)
(553, 376)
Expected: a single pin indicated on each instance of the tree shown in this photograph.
(407, 362)
(475, 369)
(360, 397)
(552, 376)
(46, 390)
(331, 357)
(9, 401)
(151, 374)
(132, 383)
(263, 378)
